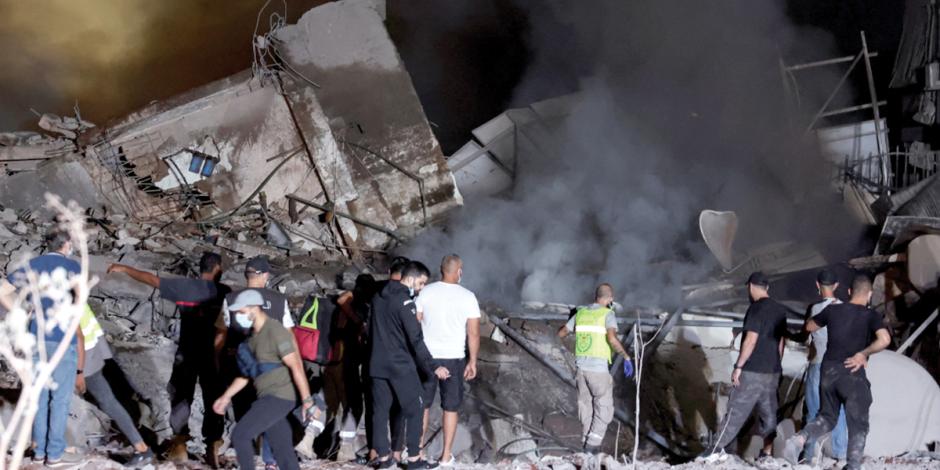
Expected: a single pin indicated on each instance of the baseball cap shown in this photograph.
(247, 298)
(758, 279)
(826, 277)
(258, 264)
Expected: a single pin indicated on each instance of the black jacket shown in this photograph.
(395, 334)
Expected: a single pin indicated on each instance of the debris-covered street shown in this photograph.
(477, 234)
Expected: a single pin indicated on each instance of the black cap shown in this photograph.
(826, 278)
(258, 265)
(758, 279)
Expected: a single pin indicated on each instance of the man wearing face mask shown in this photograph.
(855, 332)
(450, 319)
(595, 329)
(398, 360)
(278, 375)
(198, 302)
(228, 335)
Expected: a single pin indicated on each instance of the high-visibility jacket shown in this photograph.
(91, 329)
(591, 333)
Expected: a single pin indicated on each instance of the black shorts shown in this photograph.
(451, 389)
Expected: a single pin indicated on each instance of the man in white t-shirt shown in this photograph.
(450, 320)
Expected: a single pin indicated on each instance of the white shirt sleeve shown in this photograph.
(287, 320)
(225, 315)
(419, 303)
(472, 307)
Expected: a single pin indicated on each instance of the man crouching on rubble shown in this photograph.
(852, 326)
(595, 329)
(757, 371)
(199, 302)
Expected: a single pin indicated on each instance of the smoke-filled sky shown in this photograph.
(682, 110)
(114, 56)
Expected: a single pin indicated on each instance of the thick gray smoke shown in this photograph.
(682, 109)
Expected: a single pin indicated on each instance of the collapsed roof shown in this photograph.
(333, 128)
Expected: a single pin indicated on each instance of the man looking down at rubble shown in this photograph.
(450, 322)
(826, 284)
(275, 368)
(756, 374)
(398, 360)
(595, 329)
(855, 333)
(53, 407)
(198, 302)
(228, 336)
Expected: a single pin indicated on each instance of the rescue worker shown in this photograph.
(595, 329)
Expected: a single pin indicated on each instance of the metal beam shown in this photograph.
(344, 215)
(821, 63)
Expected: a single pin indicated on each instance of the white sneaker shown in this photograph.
(449, 463)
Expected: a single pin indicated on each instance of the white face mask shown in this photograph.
(243, 320)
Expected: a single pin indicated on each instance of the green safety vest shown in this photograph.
(91, 329)
(591, 333)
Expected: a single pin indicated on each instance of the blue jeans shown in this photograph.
(840, 434)
(53, 412)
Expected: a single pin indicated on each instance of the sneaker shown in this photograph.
(383, 464)
(715, 457)
(421, 464)
(39, 459)
(792, 449)
(449, 463)
(140, 459)
(68, 459)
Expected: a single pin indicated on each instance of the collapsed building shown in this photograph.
(321, 158)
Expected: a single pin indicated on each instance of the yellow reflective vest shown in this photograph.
(591, 333)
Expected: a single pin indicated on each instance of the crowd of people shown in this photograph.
(389, 348)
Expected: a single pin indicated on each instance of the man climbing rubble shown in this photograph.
(53, 407)
(398, 359)
(92, 380)
(198, 302)
(270, 360)
(756, 374)
(595, 329)
(228, 336)
(450, 320)
(855, 332)
(826, 284)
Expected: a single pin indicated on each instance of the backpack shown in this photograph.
(314, 330)
(248, 364)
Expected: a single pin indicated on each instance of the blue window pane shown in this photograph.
(196, 163)
(209, 167)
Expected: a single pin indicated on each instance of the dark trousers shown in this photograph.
(100, 390)
(758, 391)
(406, 391)
(192, 365)
(838, 388)
(354, 387)
(268, 416)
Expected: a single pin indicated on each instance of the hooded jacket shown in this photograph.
(397, 344)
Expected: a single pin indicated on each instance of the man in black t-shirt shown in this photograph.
(855, 333)
(199, 302)
(757, 371)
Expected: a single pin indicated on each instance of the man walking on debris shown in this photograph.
(93, 380)
(855, 332)
(198, 302)
(398, 356)
(228, 336)
(351, 325)
(270, 360)
(826, 284)
(450, 321)
(595, 329)
(53, 407)
(756, 374)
